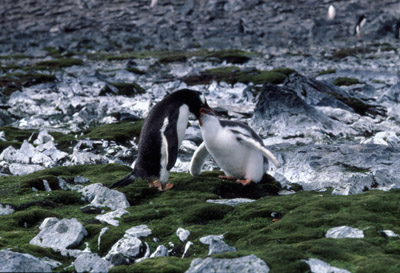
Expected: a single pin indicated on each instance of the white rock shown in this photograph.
(139, 231)
(59, 234)
(10, 154)
(318, 266)
(100, 196)
(6, 209)
(230, 202)
(3, 136)
(81, 158)
(390, 233)
(246, 264)
(146, 254)
(91, 262)
(39, 158)
(182, 234)
(46, 185)
(109, 217)
(161, 251)
(216, 244)
(27, 149)
(102, 231)
(81, 180)
(19, 262)
(23, 169)
(187, 246)
(344, 232)
(43, 137)
(387, 138)
(125, 251)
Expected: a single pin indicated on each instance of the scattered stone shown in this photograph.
(91, 262)
(109, 217)
(43, 137)
(344, 232)
(81, 180)
(187, 246)
(216, 244)
(6, 209)
(318, 266)
(59, 234)
(91, 210)
(10, 154)
(100, 196)
(388, 233)
(231, 202)
(102, 231)
(11, 261)
(24, 169)
(182, 234)
(161, 251)
(246, 264)
(129, 248)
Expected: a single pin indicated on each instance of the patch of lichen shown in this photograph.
(120, 132)
(354, 51)
(327, 71)
(13, 82)
(233, 74)
(123, 89)
(345, 81)
(56, 64)
(359, 106)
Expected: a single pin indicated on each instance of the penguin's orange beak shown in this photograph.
(205, 111)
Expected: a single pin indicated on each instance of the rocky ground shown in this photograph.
(77, 80)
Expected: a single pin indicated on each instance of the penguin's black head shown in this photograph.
(194, 99)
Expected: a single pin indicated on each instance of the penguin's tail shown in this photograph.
(124, 181)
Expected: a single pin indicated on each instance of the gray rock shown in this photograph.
(187, 246)
(318, 266)
(100, 196)
(43, 137)
(109, 217)
(18, 262)
(81, 180)
(216, 244)
(182, 234)
(10, 154)
(246, 264)
(91, 262)
(344, 232)
(139, 231)
(23, 169)
(6, 209)
(102, 231)
(231, 202)
(389, 233)
(161, 251)
(59, 234)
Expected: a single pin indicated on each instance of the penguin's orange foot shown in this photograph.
(156, 184)
(244, 182)
(226, 177)
(168, 186)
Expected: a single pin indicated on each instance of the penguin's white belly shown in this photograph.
(234, 158)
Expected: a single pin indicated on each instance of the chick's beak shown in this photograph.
(205, 111)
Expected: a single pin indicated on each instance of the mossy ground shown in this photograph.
(233, 74)
(345, 81)
(249, 227)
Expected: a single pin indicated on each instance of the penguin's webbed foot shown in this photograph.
(160, 186)
(244, 182)
(225, 177)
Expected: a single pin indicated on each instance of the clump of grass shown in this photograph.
(233, 74)
(13, 82)
(345, 52)
(57, 64)
(173, 58)
(233, 56)
(121, 132)
(124, 89)
(345, 81)
(325, 72)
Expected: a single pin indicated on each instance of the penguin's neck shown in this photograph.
(210, 129)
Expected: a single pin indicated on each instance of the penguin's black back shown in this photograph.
(149, 154)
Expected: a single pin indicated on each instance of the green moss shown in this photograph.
(233, 56)
(173, 58)
(345, 52)
(124, 89)
(345, 81)
(136, 71)
(121, 132)
(233, 74)
(203, 213)
(12, 82)
(56, 64)
(161, 264)
(325, 72)
(31, 217)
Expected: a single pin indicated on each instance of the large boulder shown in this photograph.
(11, 261)
(246, 264)
(91, 262)
(59, 234)
(100, 196)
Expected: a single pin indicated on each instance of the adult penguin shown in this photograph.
(235, 147)
(161, 136)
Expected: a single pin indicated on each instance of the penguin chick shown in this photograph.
(235, 147)
(161, 136)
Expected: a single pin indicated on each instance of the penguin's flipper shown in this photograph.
(171, 139)
(258, 146)
(124, 181)
(198, 159)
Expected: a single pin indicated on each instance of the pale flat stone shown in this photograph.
(344, 232)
